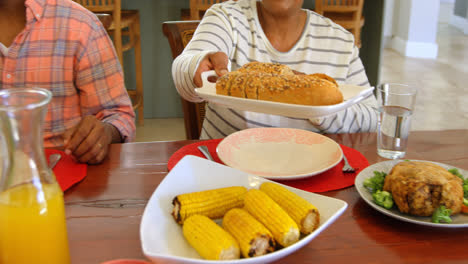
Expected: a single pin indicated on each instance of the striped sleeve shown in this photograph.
(214, 34)
(365, 111)
(356, 72)
(361, 117)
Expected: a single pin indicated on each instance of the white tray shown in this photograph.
(352, 94)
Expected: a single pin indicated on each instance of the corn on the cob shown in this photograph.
(270, 214)
(253, 237)
(209, 239)
(212, 203)
(305, 214)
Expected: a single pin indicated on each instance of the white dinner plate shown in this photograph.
(279, 153)
(459, 220)
(161, 237)
(352, 94)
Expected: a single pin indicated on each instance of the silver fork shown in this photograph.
(53, 160)
(347, 167)
(206, 152)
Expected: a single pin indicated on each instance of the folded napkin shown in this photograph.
(332, 179)
(67, 171)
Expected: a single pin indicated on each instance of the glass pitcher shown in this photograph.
(32, 215)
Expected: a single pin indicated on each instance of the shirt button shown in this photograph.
(8, 76)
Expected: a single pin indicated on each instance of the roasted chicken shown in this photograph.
(418, 188)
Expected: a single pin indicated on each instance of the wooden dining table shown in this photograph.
(105, 209)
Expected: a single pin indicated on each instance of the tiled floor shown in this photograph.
(442, 101)
(164, 129)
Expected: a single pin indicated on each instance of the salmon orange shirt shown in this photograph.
(65, 49)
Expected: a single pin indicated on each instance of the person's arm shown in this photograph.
(100, 81)
(105, 104)
(214, 34)
(361, 117)
(89, 141)
(365, 112)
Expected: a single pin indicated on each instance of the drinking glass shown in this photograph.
(395, 106)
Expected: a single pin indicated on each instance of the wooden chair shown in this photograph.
(125, 23)
(106, 19)
(199, 7)
(346, 13)
(179, 33)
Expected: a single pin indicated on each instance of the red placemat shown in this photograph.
(67, 171)
(332, 179)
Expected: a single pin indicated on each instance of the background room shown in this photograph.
(418, 42)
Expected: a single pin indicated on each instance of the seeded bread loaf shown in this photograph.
(278, 83)
(274, 68)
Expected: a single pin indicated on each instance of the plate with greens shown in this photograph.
(369, 183)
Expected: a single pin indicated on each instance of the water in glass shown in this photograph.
(394, 126)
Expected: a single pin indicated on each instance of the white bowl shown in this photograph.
(161, 237)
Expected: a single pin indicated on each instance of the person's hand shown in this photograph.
(88, 141)
(216, 61)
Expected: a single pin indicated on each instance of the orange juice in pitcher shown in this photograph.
(32, 215)
(32, 225)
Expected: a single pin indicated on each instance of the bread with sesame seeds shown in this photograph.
(265, 67)
(278, 83)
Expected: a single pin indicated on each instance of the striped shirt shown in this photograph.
(65, 49)
(324, 47)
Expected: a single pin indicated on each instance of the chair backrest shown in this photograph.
(106, 19)
(347, 13)
(112, 7)
(338, 5)
(99, 6)
(179, 34)
(198, 7)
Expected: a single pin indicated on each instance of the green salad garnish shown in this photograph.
(375, 186)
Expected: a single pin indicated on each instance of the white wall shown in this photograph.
(388, 22)
(413, 27)
(446, 10)
(423, 20)
(402, 18)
